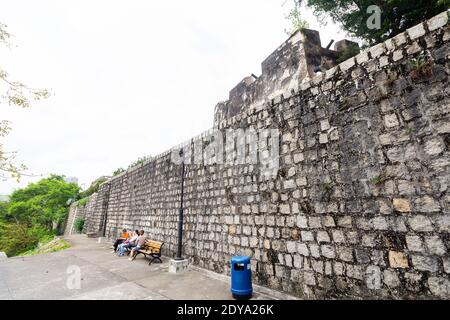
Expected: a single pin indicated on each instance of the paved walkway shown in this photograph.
(105, 276)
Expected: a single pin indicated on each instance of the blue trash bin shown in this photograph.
(241, 277)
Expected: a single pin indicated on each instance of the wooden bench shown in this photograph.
(152, 248)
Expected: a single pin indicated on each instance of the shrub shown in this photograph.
(17, 238)
(93, 188)
(118, 171)
(79, 224)
(82, 202)
(379, 179)
(139, 161)
(420, 68)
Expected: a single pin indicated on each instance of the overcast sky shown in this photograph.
(129, 78)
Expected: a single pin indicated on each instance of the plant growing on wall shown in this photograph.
(379, 179)
(295, 18)
(118, 171)
(93, 188)
(139, 161)
(420, 67)
(82, 202)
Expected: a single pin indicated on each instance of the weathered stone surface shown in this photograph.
(302, 222)
(400, 39)
(435, 245)
(377, 50)
(391, 279)
(443, 223)
(420, 224)
(427, 204)
(438, 21)
(406, 188)
(291, 246)
(303, 249)
(398, 259)
(414, 244)
(440, 287)
(416, 31)
(362, 57)
(446, 265)
(379, 223)
(328, 251)
(391, 121)
(338, 236)
(345, 254)
(433, 147)
(397, 55)
(346, 65)
(402, 205)
(355, 272)
(413, 48)
(425, 263)
(322, 236)
(362, 255)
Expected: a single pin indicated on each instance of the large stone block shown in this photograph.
(420, 223)
(440, 287)
(398, 260)
(402, 205)
(416, 31)
(437, 21)
(427, 204)
(424, 263)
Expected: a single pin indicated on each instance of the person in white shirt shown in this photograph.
(130, 243)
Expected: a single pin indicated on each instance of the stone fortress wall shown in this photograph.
(360, 205)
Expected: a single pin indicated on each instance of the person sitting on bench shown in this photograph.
(128, 244)
(124, 236)
(139, 243)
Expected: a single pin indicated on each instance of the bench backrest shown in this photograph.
(152, 245)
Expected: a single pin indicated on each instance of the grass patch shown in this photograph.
(48, 246)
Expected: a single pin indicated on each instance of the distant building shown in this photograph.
(71, 179)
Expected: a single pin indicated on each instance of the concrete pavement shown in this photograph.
(106, 276)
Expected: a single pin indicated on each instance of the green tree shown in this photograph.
(396, 15)
(118, 171)
(15, 238)
(43, 203)
(13, 93)
(295, 18)
(3, 209)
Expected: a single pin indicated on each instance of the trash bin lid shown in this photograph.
(240, 259)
